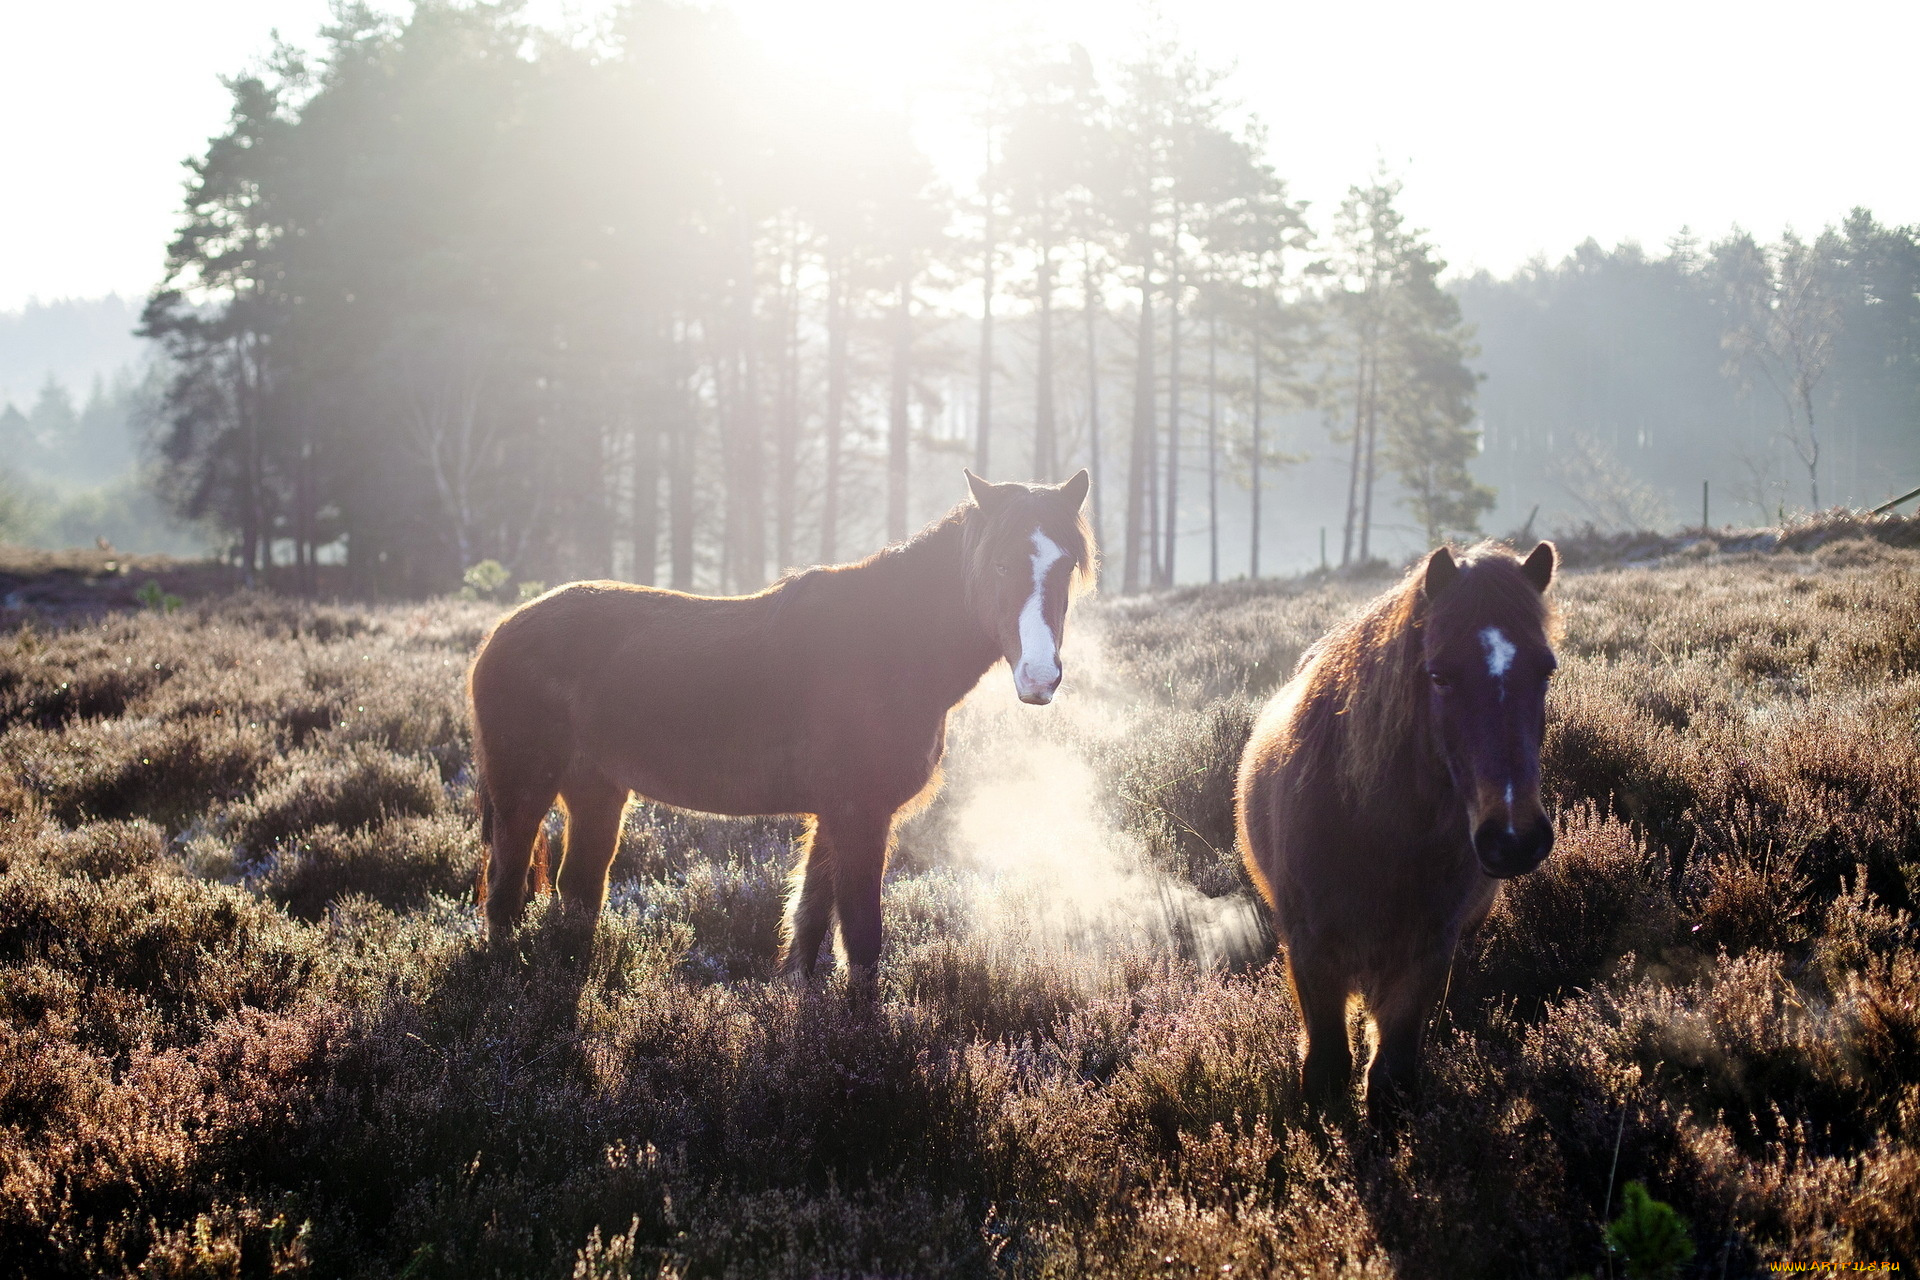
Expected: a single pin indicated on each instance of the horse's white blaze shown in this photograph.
(1500, 651)
(1039, 665)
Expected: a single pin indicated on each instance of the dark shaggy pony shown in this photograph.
(825, 695)
(1388, 788)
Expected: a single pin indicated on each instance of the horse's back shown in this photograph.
(683, 698)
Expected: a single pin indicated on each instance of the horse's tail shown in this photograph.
(484, 800)
(536, 872)
(537, 869)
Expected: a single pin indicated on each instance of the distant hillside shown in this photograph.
(74, 339)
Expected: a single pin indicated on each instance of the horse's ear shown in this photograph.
(1442, 569)
(1538, 566)
(983, 490)
(1075, 489)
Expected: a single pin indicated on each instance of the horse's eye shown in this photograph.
(1439, 681)
(1003, 567)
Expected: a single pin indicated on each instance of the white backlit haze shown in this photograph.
(1520, 129)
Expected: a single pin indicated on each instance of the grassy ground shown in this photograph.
(247, 1026)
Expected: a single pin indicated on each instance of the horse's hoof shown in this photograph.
(1390, 1104)
(863, 986)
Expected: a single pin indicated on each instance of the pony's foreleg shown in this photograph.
(1400, 1010)
(594, 810)
(809, 905)
(859, 861)
(1326, 1077)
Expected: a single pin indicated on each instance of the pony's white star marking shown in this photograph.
(1500, 651)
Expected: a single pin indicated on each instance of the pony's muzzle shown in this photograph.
(1036, 684)
(1505, 853)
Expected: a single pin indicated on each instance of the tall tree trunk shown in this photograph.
(1258, 445)
(253, 534)
(649, 408)
(897, 437)
(1812, 454)
(643, 516)
(305, 517)
(836, 405)
(746, 501)
(1353, 467)
(680, 513)
(1153, 488)
(787, 422)
(1045, 450)
(1175, 286)
(1093, 392)
(1213, 443)
(1139, 454)
(983, 428)
(1373, 419)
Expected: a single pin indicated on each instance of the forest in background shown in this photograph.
(656, 307)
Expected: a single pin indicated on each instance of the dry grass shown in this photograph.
(250, 1028)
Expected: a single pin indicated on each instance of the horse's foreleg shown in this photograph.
(1326, 1077)
(1401, 1010)
(859, 860)
(809, 905)
(594, 810)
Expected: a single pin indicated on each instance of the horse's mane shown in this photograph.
(1366, 699)
(978, 531)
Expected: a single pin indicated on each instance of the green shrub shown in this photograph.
(1649, 1236)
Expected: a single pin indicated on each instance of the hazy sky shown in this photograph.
(1520, 128)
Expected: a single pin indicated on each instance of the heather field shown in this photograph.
(248, 1026)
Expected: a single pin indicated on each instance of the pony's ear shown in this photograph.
(983, 490)
(1538, 566)
(1442, 569)
(1075, 489)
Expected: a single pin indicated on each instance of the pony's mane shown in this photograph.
(893, 551)
(978, 531)
(1370, 672)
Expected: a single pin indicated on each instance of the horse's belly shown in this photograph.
(738, 793)
(740, 774)
(748, 736)
(722, 753)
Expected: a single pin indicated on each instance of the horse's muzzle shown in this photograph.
(1505, 853)
(1038, 692)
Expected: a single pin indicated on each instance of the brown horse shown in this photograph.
(1389, 787)
(825, 695)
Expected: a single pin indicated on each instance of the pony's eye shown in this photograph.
(1439, 681)
(1003, 568)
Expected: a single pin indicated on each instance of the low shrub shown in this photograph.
(249, 1025)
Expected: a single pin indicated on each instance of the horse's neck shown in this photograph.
(932, 634)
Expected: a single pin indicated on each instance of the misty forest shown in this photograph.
(459, 308)
(660, 309)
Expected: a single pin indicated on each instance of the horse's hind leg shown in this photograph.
(594, 807)
(809, 906)
(517, 816)
(1327, 1075)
